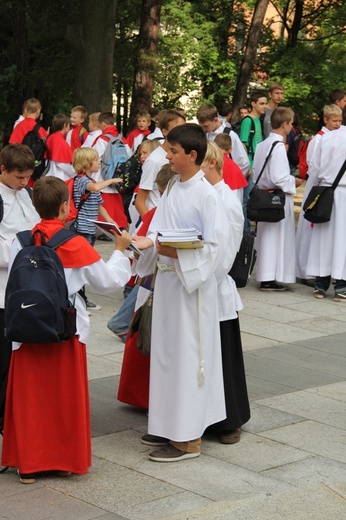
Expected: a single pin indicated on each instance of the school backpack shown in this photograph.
(37, 145)
(37, 308)
(114, 155)
(245, 260)
(73, 213)
(130, 172)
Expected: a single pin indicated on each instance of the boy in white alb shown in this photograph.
(327, 251)
(332, 116)
(276, 240)
(186, 385)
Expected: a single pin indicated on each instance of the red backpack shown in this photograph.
(73, 210)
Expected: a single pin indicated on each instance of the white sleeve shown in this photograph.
(239, 154)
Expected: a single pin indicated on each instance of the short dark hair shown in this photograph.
(336, 95)
(225, 109)
(58, 122)
(190, 137)
(106, 117)
(256, 95)
(17, 157)
(47, 196)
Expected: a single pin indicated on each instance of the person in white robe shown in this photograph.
(275, 242)
(332, 115)
(186, 385)
(327, 253)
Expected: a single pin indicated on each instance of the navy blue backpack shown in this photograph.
(37, 308)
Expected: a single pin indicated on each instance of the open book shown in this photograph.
(105, 227)
(187, 238)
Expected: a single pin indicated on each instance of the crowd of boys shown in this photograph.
(190, 390)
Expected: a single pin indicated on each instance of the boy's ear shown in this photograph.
(193, 155)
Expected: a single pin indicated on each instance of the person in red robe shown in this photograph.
(59, 152)
(112, 200)
(77, 133)
(47, 416)
(32, 113)
(134, 139)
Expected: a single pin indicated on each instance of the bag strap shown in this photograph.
(339, 175)
(266, 161)
(26, 238)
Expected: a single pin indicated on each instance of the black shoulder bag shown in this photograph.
(319, 203)
(266, 205)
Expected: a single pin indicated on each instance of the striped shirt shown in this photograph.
(90, 209)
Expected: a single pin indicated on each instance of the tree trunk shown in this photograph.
(249, 57)
(297, 20)
(147, 54)
(20, 34)
(93, 44)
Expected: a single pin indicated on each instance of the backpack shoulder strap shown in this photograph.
(227, 130)
(60, 237)
(25, 238)
(36, 127)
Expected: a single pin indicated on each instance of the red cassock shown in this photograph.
(23, 127)
(47, 416)
(232, 174)
(58, 148)
(135, 370)
(78, 136)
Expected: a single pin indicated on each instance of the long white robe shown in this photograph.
(304, 228)
(275, 242)
(185, 326)
(228, 296)
(327, 254)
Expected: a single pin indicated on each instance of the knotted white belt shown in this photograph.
(165, 267)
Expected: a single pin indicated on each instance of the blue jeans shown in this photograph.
(119, 323)
(323, 283)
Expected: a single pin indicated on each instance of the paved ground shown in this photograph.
(289, 464)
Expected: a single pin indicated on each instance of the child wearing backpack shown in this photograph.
(86, 162)
(111, 198)
(29, 132)
(47, 419)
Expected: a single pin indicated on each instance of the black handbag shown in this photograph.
(244, 261)
(266, 205)
(319, 202)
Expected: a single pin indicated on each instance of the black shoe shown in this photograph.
(272, 286)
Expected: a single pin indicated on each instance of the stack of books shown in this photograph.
(188, 238)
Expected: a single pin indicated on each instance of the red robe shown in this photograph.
(129, 140)
(78, 136)
(58, 148)
(232, 174)
(135, 370)
(25, 126)
(47, 416)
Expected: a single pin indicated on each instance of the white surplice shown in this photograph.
(228, 296)
(327, 254)
(275, 242)
(185, 328)
(304, 228)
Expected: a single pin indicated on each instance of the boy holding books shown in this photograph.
(186, 386)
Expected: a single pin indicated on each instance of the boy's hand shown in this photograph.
(142, 242)
(299, 181)
(171, 252)
(122, 241)
(117, 180)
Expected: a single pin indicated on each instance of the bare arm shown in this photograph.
(98, 186)
(140, 202)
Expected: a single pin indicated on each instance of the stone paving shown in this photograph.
(289, 464)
